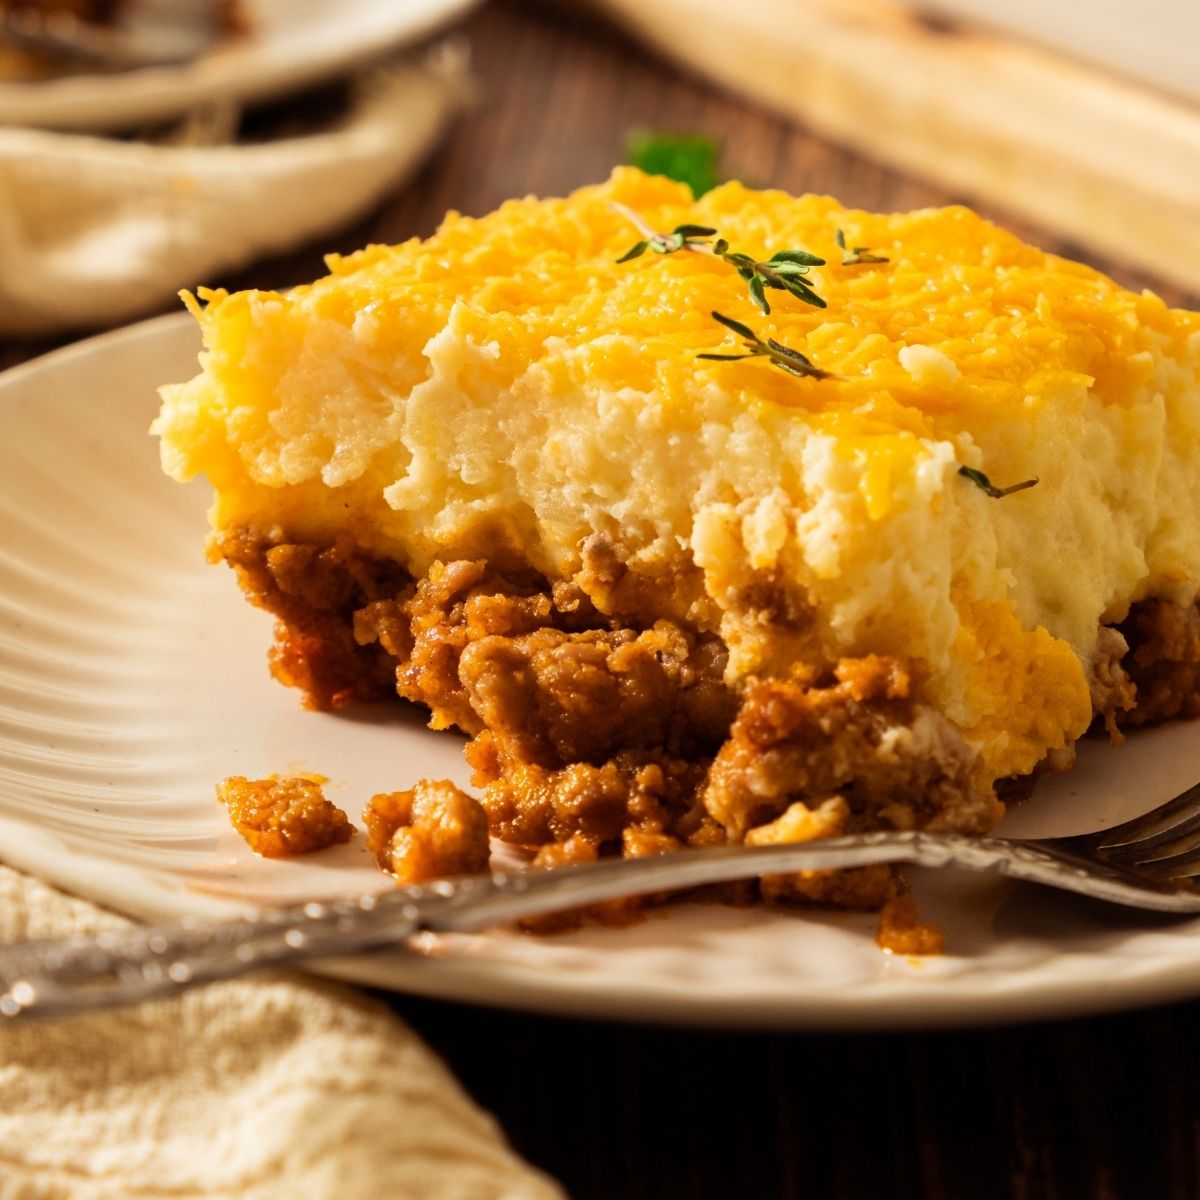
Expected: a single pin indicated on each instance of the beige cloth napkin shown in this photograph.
(262, 1089)
(94, 231)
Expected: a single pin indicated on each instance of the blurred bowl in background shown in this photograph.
(288, 44)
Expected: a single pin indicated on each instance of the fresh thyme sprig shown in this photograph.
(682, 237)
(852, 256)
(784, 357)
(981, 481)
(785, 270)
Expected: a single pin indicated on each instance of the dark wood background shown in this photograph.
(1106, 1108)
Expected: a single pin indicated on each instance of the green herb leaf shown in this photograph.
(682, 237)
(981, 481)
(779, 355)
(852, 257)
(686, 158)
(785, 270)
(801, 258)
(743, 331)
(758, 294)
(801, 290)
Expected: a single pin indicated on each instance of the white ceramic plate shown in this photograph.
(133, 677)
(291, 43)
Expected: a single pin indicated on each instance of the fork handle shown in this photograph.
(59, 976)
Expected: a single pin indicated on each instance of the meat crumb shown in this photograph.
(429, 832)
(901, 932)
(282, 817)
(575, 851)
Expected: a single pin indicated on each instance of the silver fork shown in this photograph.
(1144, 863)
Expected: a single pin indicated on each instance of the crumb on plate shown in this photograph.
(283, 816)
(901, 931)
(428, 832)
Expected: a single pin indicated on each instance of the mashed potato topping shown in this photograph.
(506, 391)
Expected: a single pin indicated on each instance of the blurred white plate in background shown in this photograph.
(291, 43)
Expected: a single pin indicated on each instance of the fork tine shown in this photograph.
(1175, 840)
(1160, 826)
(1170, 862)
(1182, 866)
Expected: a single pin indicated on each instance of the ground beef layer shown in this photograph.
(593, 737)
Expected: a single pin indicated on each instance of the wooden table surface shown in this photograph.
(1104, 1108)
